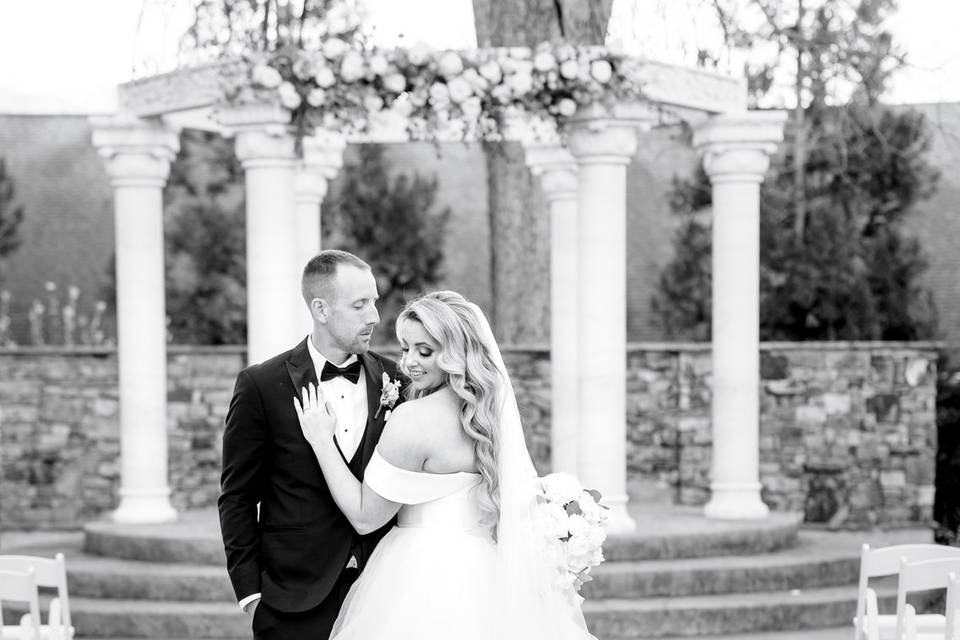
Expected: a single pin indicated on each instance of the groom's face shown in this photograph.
(352, 310)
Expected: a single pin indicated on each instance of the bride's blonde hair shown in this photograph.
(473, 375)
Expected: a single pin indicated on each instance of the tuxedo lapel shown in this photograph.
(300, 367)
(373, 372)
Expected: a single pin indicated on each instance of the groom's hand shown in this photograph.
(251, 608)
(317, 419)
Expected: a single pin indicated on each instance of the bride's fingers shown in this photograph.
(298, 408)
(306, 398)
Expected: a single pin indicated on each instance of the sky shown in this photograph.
(73, 52)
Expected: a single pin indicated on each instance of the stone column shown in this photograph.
(275, 307)
(736, 150)
(322, 159)
(137, 155)
(557, 171)
(603, 147)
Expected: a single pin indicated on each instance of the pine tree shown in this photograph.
(11, 214)
(835, 261)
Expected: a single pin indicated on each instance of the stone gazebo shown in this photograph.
(585, 185)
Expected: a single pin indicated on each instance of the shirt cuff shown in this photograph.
(248, 600)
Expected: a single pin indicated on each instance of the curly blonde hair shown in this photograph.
(473, 375)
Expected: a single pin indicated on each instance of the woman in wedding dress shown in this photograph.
(464, 561)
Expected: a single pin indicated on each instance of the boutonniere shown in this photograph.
(389, 395)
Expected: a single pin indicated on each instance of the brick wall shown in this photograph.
(847, 430)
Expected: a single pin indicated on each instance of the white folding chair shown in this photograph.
(869, 624)
(49, 573)
(953, 607)
(921, 576)
(20, 587)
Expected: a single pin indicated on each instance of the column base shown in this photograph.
(144, 506)
(618, 520)
(735, 501)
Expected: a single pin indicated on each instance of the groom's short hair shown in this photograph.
(320, 270)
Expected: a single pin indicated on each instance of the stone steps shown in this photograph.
(678, 533)
(811, 564)
(679, 576)
(623, 619)
(608, 619)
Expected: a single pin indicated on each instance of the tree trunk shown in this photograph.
(519, 226)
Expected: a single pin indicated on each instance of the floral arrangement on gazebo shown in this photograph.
(343, 84)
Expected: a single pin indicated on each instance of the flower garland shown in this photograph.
(343, 85)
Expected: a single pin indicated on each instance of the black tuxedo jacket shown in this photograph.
(295, 551)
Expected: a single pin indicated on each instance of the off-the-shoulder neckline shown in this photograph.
(376, 452)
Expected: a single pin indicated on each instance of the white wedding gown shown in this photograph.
(433, 577)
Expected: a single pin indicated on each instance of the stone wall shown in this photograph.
(847, 430)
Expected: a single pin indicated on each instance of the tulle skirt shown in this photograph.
(424, 584)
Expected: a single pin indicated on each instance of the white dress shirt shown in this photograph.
(349, 402)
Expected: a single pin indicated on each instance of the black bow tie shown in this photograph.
(351, 372)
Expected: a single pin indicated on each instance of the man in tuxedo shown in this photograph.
(292, 565)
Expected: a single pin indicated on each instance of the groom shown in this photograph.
(292, 562)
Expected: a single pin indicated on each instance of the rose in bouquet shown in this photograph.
(573, 524)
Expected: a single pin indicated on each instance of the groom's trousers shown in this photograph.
(312, 624)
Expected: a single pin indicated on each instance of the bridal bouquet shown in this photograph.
(572, 522)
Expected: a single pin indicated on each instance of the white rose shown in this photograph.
(334, 48)
(378, 64)
(475, 79)
(567, 107)
(570, 69)
(596, 536)
(325, 78)
(472, 107)
(501, 93)
(419, 54)
(459, 90)
(402, 107)
(395, 82)
(351, 69)
(552, 521)
(491, 71)
(577, 525)
(289, 97)
(450, 64)
(596, 557)
(266, 76)
(439, 94)
(578, 546)
(303, 68)
(601, 71)
(561, 487)
(373, 103)
(520, 83)
(565, 52)
(316, 97)
(544, 61)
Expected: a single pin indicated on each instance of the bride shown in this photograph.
(464, 561)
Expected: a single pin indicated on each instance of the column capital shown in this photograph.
(556, 168)
(263, 132)
(737, 147)
(602, 141)
(322, 160)
(135, 151)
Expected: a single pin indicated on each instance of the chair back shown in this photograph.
(953, 605)
(50, 573)
(919, 576)
(21, 587)
(885, 561)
